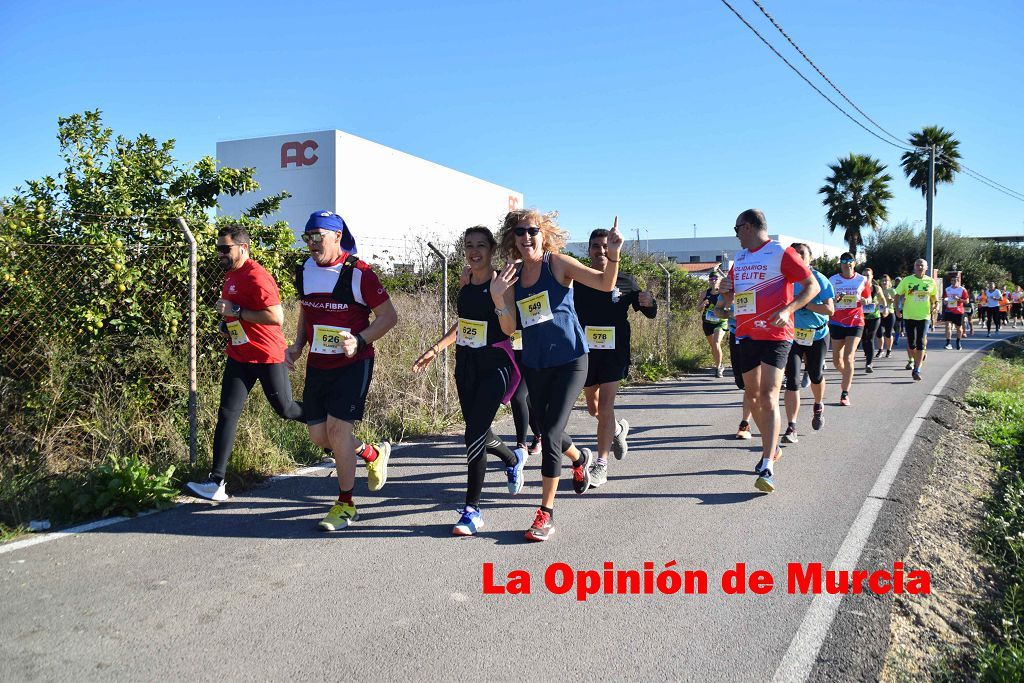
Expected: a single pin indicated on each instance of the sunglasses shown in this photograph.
(226, 248)
(523, 232)
(847, 261)
(736, 228)
(313, 237)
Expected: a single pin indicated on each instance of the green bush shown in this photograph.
(118, 486)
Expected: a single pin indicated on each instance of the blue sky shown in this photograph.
(666, 113)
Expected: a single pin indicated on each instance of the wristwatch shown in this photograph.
(501, 311)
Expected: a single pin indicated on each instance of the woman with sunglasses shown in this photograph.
(537, 297)
(873, 311)
(485, 376)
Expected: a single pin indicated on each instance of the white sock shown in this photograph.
(618, 428)
(766, 464)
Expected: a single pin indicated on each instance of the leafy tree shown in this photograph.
(855, 194)
(118, 198)
(947, 155)
(826, 265)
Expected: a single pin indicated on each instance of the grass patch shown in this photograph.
(997, 400)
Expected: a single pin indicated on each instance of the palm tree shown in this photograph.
(915, 164)
(855, 195)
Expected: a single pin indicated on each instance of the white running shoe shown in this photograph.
(210, 490)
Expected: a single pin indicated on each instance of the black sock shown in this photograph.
(550, 511)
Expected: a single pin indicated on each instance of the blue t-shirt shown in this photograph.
(809, 320)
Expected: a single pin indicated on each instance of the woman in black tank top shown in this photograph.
(485, 376)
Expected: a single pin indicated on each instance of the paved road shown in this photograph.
(249, 589)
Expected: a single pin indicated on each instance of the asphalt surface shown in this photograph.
(250, 589)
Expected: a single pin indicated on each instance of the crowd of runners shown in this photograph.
(546, 327)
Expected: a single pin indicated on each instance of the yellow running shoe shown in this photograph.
(377, 471)
(340, 516)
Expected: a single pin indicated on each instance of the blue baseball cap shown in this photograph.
(328, 220)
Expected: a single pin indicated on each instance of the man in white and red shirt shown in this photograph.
(250, 306)
(846, 325)
(338, 293)
(953, 309)
(760, 288)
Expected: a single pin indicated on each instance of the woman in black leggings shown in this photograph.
(872, 319)
(485, 377)
(540, 297)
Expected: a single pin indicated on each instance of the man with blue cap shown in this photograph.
(338, 292)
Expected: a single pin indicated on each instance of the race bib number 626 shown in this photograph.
(327, 339)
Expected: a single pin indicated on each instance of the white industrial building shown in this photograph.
(392, 201)
(704, 250)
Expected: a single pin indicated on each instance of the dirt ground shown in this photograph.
(928, 632)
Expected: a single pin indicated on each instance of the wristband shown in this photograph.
(613, 260)
(501, 311)
(360, 343)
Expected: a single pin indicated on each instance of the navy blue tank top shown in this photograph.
(552, 335)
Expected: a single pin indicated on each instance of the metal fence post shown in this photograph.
(668, 314)
(444, 312)
(193, 384)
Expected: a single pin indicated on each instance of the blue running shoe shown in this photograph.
(764, 482)
(470, 522)
(515, 473)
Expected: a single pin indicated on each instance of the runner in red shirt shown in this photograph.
(250, 305)
(338, 293)
(760, 287)
(846, 325)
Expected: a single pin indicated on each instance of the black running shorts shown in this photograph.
(338, 392)
(754, 352)
(842, 332)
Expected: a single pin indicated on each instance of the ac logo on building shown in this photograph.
(513, 203)
(299, 153)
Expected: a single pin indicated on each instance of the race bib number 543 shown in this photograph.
(327, 339)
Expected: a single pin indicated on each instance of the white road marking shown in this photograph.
(797, 663)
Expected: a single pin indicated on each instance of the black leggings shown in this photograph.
(917, 334)
(481, 378)
(553, 392)
(993, 316)
(814, 361)
(871, 327)
(885, 329)
(521, 413)
(239, 379)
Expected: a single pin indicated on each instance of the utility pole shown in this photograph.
(694, 231)
(929, 235)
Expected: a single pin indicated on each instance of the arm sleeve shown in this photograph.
(793, 267)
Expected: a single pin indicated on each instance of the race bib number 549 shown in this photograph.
(535, 309)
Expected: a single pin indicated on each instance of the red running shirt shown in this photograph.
(763, 283)
(325, 316)
(253, 288)
(956, 297)
(849, 310)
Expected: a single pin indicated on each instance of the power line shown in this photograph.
(808, 82)
(822, 74)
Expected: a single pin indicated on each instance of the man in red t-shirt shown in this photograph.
(760, 288)
(338, 293)
(250, 306)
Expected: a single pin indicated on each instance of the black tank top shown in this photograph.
(476, 306)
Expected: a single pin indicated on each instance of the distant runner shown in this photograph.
(714, 327)
(918, 296)
(956, 298)
(853, 290)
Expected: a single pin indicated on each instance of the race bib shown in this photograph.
(327, 339)
(951, 304)
(472, 333)
(869, 308)
(846, 302)
(745, 303)
(517, 340)
(237, 332)
(803, 337)
(709, 315)
(920, 296)
(600, 337)
(535, 309)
